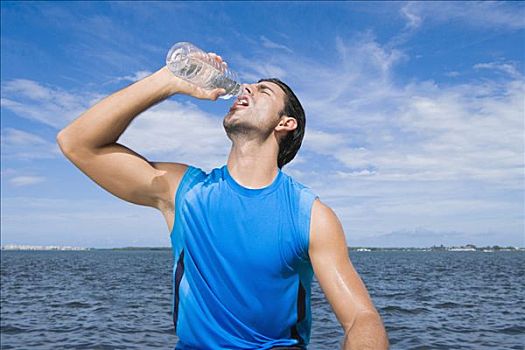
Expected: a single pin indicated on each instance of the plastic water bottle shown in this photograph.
(190, 63)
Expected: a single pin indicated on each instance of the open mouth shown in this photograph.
(242, 101)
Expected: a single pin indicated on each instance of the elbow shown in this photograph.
(63, 142)
(61, 137)
(68, 144)
(73, 148)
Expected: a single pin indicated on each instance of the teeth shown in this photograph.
(243, 102)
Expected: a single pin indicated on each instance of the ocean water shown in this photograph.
(122, 299)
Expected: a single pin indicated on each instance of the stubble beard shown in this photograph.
(241, 129)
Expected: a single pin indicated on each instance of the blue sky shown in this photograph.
(415, 112)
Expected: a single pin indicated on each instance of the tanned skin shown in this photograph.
(90, 143)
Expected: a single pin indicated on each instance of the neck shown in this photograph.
(253, 164)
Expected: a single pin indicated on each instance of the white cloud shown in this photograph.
(363, 172)
(132, 77)
(370, 137)
(48, 105)
(413, 20)
(477, 14)
(20, 181)
(422, 236)
(8, 172)
(252, 70)
(508, 68)
(420, 131)
(179, 131)
(171, 129)
(384, 154)
(453, 74)
(269, 44)
(324, 142)
(22, 145)
(101, 223)
(116, 45)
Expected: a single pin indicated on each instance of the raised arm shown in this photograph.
(90, 142)
(341, 283)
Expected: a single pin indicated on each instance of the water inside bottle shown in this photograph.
(204, 75)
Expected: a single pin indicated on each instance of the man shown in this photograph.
(246, 237)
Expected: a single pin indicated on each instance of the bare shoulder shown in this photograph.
(172, 174)
(322, 213)
(326, 230)
(323, 217)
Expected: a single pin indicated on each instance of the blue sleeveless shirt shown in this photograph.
(241, 274)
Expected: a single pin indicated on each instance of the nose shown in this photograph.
(247, 88)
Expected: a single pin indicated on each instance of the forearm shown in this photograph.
(103, 123)
(366, 333)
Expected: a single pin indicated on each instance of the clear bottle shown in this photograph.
(190, 63)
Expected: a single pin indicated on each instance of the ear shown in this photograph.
(286, 124)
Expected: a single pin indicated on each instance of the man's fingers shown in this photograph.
(217, 92)
(224, 66)
(209, 94)
(215, 56)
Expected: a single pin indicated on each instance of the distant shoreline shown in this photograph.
(468, 247)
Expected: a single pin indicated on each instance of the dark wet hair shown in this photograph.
(289, 145)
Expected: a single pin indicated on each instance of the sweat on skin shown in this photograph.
(255, 128)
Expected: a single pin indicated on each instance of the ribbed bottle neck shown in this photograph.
(234, 92)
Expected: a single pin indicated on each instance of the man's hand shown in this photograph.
(181, 86)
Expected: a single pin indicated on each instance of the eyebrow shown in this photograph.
(262, 86)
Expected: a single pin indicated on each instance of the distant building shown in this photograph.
(461, 249)
(37, 247)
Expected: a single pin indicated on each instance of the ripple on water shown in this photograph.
(121, 300)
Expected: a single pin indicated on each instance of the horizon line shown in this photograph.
(2, 246)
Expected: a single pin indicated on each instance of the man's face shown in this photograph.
(256, 111)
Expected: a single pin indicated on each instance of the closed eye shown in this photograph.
(264, 88)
